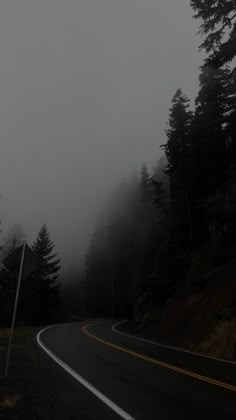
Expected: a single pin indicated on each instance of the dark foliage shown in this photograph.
(219, 29)
(39, 292)
(42, 286)
(177, 223)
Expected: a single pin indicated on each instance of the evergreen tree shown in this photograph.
(219, 28)
(177, 148)
(6, 298)
(9, 273)
(209, 145)
(15, 236)
(230, 202)
(43, 248)
(179, 154)
(42, 287)
(145, 183)
(209, 130)
(231, 120)
(214, 124)
(160, 186)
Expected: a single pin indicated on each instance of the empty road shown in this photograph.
(102, 374)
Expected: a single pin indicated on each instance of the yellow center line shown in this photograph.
(157, 362)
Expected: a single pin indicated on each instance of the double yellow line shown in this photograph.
(158, 362)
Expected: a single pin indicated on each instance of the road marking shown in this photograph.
(158, 362)
(121, 413)
(165, 346)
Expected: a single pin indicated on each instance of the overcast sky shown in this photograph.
(85, 89)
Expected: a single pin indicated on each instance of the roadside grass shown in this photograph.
(25, 393)
(18, 333)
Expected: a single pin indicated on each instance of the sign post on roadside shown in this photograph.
(25, 259)
(15, 309)
(113, 300)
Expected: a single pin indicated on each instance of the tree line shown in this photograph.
(169, 228)
(39, 293)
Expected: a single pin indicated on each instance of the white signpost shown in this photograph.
(15, 310)
(28, 264)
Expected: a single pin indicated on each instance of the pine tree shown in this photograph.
(14, 237)
(6, 298)
(9, 273)
(160, 186)
(177, 148)
(231, 120)
(209, 145)
(179, 154)
(219, 28)
(230, 202)
(209, 130)
(43, 288)
(145, 184)
(43, 248)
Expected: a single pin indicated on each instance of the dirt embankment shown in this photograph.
(202, 321)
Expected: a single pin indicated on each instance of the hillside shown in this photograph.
(203, 322)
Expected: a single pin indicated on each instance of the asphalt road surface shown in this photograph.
(102, 374)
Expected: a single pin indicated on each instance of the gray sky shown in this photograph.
(85, 89)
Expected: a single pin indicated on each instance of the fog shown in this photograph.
(85, 86)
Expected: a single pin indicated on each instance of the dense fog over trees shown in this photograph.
(172, 237)
(85, 91)
(168, 221)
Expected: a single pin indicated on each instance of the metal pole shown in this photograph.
(15, 310)
(113, 299)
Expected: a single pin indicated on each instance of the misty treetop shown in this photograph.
(45, 278)
(43, 248)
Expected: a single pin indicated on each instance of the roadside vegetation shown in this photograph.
(25, 393)
(39, 294)
(165, 256)
(165, 253)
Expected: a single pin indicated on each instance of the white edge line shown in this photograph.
(81, 380)
(166, 346)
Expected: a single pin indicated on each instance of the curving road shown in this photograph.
(100, 373)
